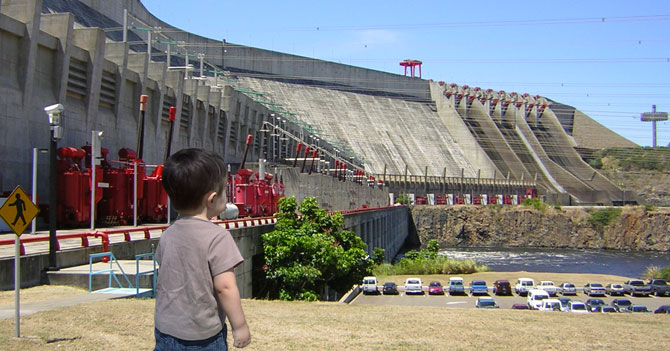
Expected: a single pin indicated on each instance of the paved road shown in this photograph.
(467, 301)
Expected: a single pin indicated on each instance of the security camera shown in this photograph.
(54, 112)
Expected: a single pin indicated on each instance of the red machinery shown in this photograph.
(114, 199)
(117, 203)
(74, 187)
(153, 206)
(257, 197)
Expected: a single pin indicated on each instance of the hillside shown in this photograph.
(643, 171)
(634, 228)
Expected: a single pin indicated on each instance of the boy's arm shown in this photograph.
(229, 297)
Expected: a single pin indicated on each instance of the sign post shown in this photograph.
(18, 211)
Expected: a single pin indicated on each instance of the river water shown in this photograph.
(623, 263)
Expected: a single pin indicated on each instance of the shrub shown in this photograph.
(535, 202)
(378, 255)
(305, 254)
(649, 208)
(603, 217)
(404, 199)
(428, 261)
(655, 272)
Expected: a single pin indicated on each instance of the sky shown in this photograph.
(609, 59)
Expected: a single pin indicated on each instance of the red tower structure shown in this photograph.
(412, 64)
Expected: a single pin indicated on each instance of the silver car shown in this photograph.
(614, 289)
(567, 289)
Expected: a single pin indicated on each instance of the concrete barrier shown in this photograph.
(386, 228)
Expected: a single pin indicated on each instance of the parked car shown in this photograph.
(520, 306)
(659, 287)
(564, 303)
(577, 307)
(614, 289)
(604, 309)
(567, 289)
(502, 287)
(535, 298)
(370, 285)
(621, 305)
(486, 302)
(390, 288)
(478, 287)
(551, 305)
(591, 304)
(413, 286)
(548, 286)
(663, 309)
(523, 286)
(639, 309)
(594, 289)
(435, 288)
(635, 287)
(456, 286)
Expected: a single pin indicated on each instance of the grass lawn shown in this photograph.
(127, 324)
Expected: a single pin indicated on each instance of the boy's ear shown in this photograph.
(209, 198)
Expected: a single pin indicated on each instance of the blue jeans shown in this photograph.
(165, 342)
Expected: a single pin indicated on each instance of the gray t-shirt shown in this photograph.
(191, 252)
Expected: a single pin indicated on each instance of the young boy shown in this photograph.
(196, 281)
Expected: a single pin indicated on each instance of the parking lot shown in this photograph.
(467, 301)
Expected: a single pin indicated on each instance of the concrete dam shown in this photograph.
(378, 124)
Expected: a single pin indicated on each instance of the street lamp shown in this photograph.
(55, 113)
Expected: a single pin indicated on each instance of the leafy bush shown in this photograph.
(428, 261)
(378, 255)
(535, 202)
(649, 208)
(603, 217)
(654, 272)
(404, 199)
(305, 253)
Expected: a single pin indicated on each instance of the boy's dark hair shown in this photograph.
(189, 174)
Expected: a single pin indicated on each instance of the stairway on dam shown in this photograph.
(387, 132)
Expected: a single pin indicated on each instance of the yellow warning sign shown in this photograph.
(18, 211)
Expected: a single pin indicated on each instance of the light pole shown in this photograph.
(55, 113)
(35, 153)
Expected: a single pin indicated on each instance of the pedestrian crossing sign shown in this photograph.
(18, 211)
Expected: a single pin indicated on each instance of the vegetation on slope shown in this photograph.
(428, 261)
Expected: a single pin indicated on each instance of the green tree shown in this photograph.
(306, 253)
(378, 255)
(404, 199)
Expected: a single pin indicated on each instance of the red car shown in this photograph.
(435, 288)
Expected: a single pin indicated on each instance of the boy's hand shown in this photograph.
(241, 336)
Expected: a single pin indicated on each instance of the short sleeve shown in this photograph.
(223, 253)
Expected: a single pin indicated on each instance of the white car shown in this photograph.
(548, 286)
(549, 305)
(535, 298)
(577, 307)
(370, 285)
(523, 286)
(413, 286)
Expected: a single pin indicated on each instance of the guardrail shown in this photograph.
(104, 235)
